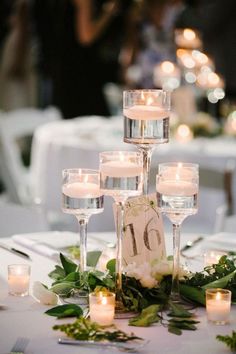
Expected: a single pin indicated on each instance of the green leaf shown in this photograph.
(62, 311)
(178, 311)
(174, 330)
(182, 325)
(92, 258)
(63, 289)
(148, 316)
(111, 266)
(230, 341)
(58, 273)
(220, 283)
(193, 293)
(67, 264)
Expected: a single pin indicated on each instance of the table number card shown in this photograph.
(144, 234)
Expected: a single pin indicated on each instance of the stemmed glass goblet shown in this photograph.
(146, 123)
(81, 196)
(121, 178)
(177, 195)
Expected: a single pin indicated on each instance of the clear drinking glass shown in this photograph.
(121, 177)
(146, 123)
(81, 196)
(177, 195)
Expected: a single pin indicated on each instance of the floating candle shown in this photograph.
(81, 190)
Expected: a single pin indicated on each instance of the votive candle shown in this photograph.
(18, 279)
(218, 303)
(102, 307)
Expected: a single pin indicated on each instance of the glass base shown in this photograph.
(79, 298)
(182, 301)
(121, 312)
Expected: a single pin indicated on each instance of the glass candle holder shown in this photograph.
(18, 279)
(218, 303)
(102, 307)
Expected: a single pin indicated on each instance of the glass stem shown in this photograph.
(119, 255)
(83, 223)
(147, 155)
(176, 263)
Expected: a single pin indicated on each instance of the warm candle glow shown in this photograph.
(189, 34)
(18, 279)
(167, 67)
(183, 133)
(218, 302)
(102, 307)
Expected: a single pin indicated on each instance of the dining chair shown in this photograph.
(16, 219)
(220, 180)
(14, 127)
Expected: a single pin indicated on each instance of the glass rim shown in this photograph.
(84, 171)
(118, 152)
(144, 90)
(23, 265)
(183, 164)
(216, 290)
(102, 294)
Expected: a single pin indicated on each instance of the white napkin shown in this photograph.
(50, 244)
(222, 241)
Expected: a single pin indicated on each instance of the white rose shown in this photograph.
(148, 282)
(43, 295)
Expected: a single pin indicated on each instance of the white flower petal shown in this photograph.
(43, 295)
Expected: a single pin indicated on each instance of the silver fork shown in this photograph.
(20, 345)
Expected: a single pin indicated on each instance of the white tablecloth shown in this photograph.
(77, 143)
(25, 317)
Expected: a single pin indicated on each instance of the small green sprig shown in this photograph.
(84, 329)
(230, 341)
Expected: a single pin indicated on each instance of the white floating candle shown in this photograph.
(81, 190)
(145, 112)
(121, 168)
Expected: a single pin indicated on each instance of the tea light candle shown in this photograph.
(102, 307)
(18, 279)
(218, 302)
(81, 190)
(212, 257)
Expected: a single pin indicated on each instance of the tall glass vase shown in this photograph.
(146, 123)
(177, 195)
(81, 196)
(121, 177)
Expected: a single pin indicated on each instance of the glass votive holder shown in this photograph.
(212, 257)
(102, 307)
(218, 303)
(18, 279)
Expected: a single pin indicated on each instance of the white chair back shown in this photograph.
(15, 125)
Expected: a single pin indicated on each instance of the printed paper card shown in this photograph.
(143, 238)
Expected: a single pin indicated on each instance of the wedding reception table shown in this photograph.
(77, 143)
(24, 316)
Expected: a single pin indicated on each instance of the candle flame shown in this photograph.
(104, 300)
(149, 101)
(218, 296)
(189, 34)
(179, 166)
(85, 178)
(121, 156)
